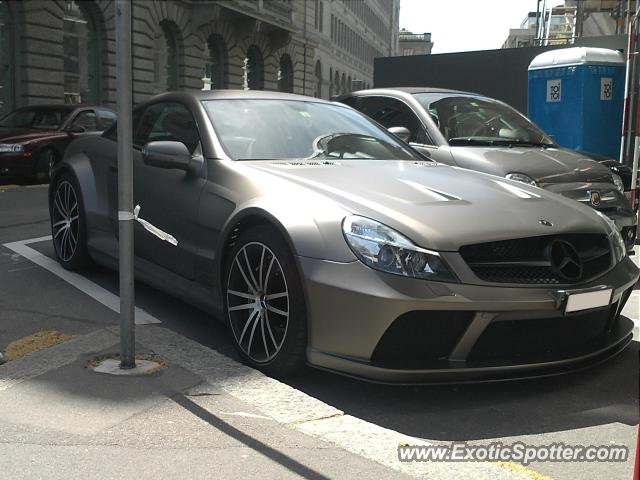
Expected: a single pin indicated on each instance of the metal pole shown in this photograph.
(633, 30)
(535, 40)
(125, 184)
(548, 30)
(579, 23)
(633, 93)
(626, 105)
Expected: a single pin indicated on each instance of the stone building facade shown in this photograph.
(64, 50)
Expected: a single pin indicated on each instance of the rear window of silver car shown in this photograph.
(264, 129)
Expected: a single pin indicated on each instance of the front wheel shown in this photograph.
(265, 304)
(68, 227)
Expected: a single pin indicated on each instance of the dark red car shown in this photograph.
(33, 139)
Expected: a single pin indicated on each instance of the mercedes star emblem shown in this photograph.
(565, 260)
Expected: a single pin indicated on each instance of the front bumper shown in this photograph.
(393, 329)
(17, 165)
(612, 203)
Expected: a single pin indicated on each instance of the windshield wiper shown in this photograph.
(471, 141)
(524, 143)
(510, 142)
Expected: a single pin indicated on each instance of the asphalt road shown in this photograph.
(596, 406)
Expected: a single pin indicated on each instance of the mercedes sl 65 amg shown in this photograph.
(321, 239)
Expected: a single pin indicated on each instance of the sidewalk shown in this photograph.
(59, 419)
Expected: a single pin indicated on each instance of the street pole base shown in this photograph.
(112, 366)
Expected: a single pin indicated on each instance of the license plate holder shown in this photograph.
(585, 300)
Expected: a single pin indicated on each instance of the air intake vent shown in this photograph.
(292, 164)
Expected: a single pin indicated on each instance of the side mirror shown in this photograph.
(76, 129)
(165, 154)
(401, 132)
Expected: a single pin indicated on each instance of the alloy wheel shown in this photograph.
(65, 220)
(257, 302)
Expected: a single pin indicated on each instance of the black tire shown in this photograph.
(290, 332)
(64, 194)
(47, 159)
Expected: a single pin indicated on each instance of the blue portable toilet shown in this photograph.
(576, 95)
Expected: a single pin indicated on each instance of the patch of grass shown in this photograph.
(522, 470)
(34, 343)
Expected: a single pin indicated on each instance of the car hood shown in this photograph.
(544, 165)
(436, 206)
(19, 135)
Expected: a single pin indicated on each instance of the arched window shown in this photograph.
(349, 88)
(343, 84)
(81, 55)
(165, 55)
(330, 83)
(214, 70)
(336, 82)
(253, 69)
(285, 74)
(318, 90)
(6, 60)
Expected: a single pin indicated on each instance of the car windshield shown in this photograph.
(470, 120)
(263, 129)
(40, 118)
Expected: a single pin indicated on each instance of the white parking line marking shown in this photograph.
(86, 286)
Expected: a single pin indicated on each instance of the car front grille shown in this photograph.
(530, 261)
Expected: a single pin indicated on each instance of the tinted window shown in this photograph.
(394, 113)
(112, 132)
(166, 121)
(273, 129)
(44, 118)
(86, 120)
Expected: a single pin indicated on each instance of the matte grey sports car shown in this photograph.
(322, 239)
(479, 133)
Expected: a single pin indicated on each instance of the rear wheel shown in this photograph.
(68, 227)
(44, 167)
(264, 303)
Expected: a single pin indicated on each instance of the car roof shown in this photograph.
(61, 106)
(411, 91)
(203, 95)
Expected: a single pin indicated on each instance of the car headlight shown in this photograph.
(616, 240)
(618, 182)
(11, 148)
(521, 177)
(384, 249)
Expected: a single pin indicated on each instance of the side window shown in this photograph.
(107, 118)
(394, 113)
(86, 120)
(166, 121)
(352, 102)
(112, 132)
